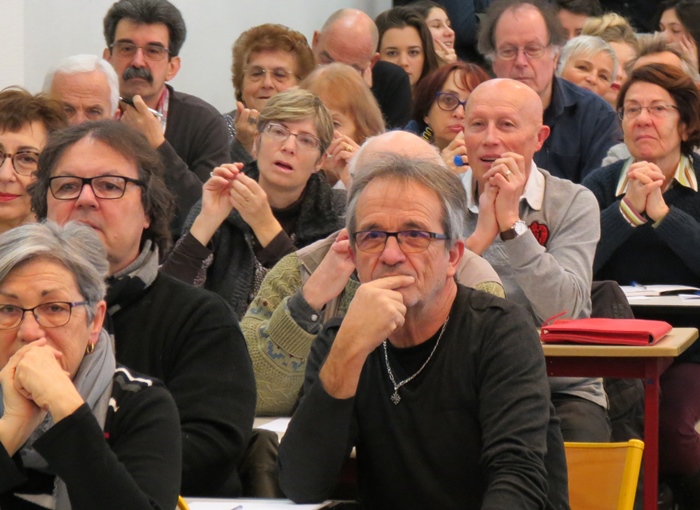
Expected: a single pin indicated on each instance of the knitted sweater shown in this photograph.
(280, 326)
(665, 253)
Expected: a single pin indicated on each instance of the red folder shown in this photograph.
(604, 331)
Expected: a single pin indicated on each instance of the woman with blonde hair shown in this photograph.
(619, 34)
(355, 112)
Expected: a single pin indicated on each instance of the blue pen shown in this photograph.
(459, 162)
(638, 285)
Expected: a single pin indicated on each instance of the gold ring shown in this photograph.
(348, 147)
(507, 175)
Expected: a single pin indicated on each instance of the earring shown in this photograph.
(427, 134)
(90, 349)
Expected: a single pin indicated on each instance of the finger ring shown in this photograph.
(348, 147)
(507, 175)
(211, 174)
(252, 121)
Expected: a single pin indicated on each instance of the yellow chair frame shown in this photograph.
(603, 476)
(182, 504)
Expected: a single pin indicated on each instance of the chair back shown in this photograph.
(182, 504)
(603, 476)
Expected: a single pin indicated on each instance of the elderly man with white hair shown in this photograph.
(86, 85)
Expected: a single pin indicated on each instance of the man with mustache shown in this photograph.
(144, 38)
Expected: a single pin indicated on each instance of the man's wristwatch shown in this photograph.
(518, 229)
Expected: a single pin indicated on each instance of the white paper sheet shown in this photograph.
(249, 504)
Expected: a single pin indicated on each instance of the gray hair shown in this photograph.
(87, 64)
(587, 46)
(426, 172)
(650, 44)
(74, 246)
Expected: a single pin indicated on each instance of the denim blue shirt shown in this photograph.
(584, 127)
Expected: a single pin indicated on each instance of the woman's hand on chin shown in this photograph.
(41, 377)
(21, 414)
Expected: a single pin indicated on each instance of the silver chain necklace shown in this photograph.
(395, 398)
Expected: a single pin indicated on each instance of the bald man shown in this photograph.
(314, 284)
(538, 232)
(349, 36)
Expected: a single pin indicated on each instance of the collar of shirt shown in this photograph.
(533, 193)
(163, 105)
(684, 175)
(562, 98)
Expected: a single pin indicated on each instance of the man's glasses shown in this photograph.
(533, 51)
(128, 50)
(410, 241)
(48, 315)
(280, 134)
(658, 111)
(278, 74)
(24, 162)
(107, 187)
(449, 102)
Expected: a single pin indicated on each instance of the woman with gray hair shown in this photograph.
(76, 432)
(589, 62)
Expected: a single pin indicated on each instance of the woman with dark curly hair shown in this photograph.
(267, 59)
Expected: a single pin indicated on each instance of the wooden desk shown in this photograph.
(634, 362)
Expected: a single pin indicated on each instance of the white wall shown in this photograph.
(54, 29)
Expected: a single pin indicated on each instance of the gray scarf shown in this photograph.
(93, 380)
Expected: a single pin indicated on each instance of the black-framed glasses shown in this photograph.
(23, 162)
(280, 134)
(410, 241)
(532, 51)
(449, 102)
(48, 315)
(107, 187)
(127, 49)
(658, 111)
(278, 74)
